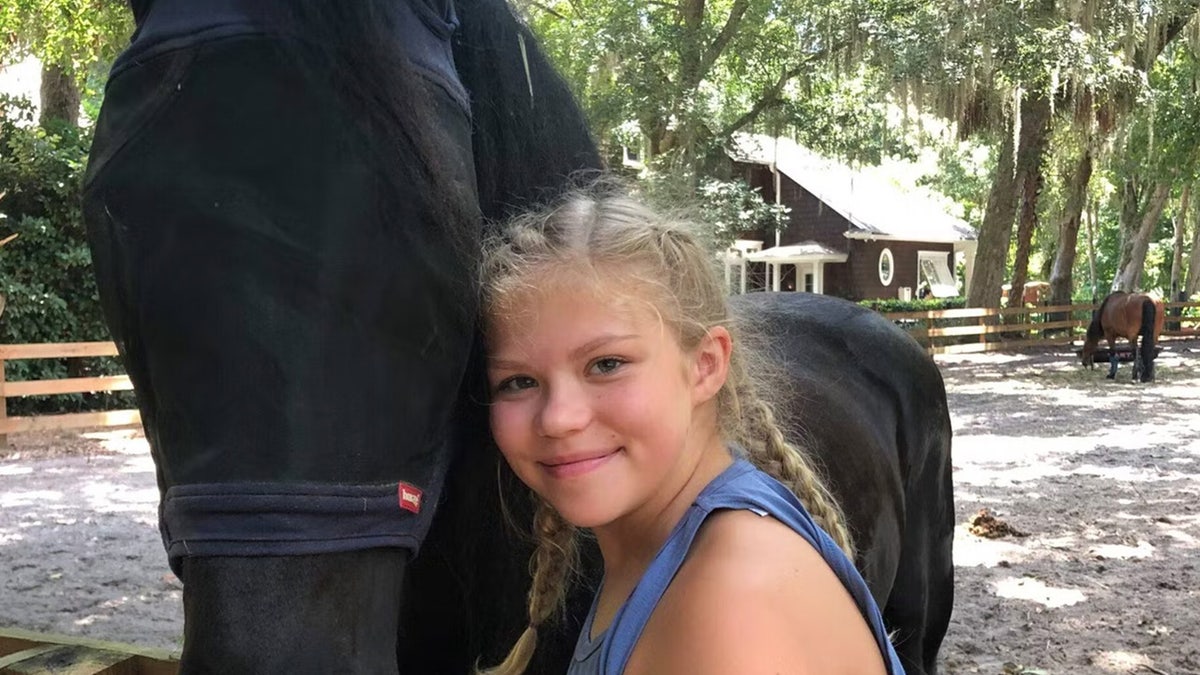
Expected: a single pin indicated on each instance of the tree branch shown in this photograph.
(761, 106)
(1174, 27)
(714, 51)
(771, 97)
(549, 10)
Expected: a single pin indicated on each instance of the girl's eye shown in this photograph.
(516, 383)
(606, 365)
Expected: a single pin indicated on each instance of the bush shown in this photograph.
(889, 305)
(46, 272)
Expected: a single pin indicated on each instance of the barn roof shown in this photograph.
(875, 208)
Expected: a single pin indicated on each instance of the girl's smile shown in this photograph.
(570, 466)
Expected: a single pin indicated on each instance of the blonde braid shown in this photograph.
(792, 467)
(552, 563)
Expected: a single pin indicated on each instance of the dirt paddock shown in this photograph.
(1102, 477)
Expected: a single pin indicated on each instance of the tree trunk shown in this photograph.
(1061, 273)
(1177, 257)
(1035, 122)
(1129, 278)
(996, 230)
(1091, 233)
(1127, 225)
(60, 96)
(1193, 277)
(682, 108)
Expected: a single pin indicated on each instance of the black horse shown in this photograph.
(283, 204)
(855, 389)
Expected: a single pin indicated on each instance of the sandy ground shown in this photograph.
(1103, 477)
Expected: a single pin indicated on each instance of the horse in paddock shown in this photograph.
(1130, 316)
(284, 203)
(856, 390)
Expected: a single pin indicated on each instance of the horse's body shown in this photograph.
(857, 391)
(288, 510)
(1130, 316)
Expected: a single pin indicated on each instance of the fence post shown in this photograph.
(3, 406)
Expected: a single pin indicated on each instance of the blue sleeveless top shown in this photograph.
(741, 486)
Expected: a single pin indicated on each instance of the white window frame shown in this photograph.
(886, 253)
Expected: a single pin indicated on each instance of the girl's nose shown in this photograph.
(565, 410)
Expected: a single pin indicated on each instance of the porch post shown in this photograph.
(968, 249)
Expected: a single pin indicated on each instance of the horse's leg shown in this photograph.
(1137, 357)
(1151, 326)
(1112, 359)
(310, 614)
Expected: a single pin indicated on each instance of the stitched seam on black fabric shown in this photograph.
(163, 92)
(198, 40)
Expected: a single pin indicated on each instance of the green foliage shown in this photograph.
(890, 305)
(843, 115)
(726, 209)
(689, 74)
(963, 174)
(46, 272)
(964, 60)
(732, 208)
(70, 33)
(1164, 140)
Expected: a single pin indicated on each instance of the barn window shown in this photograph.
(934, 274)
(887, 267)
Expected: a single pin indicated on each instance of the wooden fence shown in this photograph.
(977, 329)
(26, 652)
(71, 385)
(945, 331)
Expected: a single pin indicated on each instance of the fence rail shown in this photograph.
(946, 331)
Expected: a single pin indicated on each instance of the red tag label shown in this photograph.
(410, 498)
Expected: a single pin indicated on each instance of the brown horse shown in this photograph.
(1126, 315)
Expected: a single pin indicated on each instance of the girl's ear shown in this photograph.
(711, 364)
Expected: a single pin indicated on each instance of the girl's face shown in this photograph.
(595, 405)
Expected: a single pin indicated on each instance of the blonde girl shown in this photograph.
(619, 396)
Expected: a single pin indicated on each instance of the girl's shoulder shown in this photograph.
(754, 596)
(750, 554)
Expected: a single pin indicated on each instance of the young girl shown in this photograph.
(619, 397)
